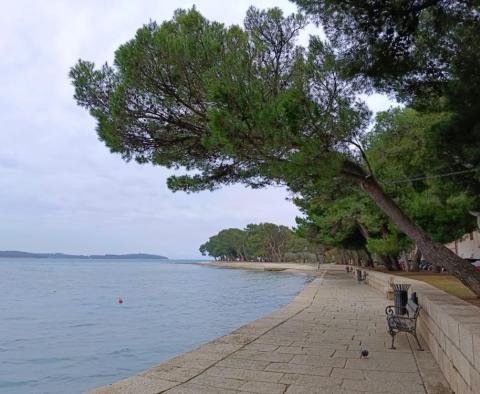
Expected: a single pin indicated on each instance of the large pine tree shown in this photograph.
(240, 105)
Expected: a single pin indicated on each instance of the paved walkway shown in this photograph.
(311, 346)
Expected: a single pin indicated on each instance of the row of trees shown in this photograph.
(344, 219)
(340, 223)
(248, 104)
(259, 242)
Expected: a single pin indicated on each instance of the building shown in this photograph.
(467, 247)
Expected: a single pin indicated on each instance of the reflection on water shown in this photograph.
(63, 331)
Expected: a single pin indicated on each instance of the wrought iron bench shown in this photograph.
(403, 323)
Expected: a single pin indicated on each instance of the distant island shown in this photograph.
(18, 254)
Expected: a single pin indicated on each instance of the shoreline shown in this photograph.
(186, 366)
(310, 345)
(288, 267)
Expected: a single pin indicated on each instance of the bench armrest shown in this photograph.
(390, 310)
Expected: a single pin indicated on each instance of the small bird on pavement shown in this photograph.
(364, 353)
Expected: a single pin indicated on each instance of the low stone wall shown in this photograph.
(450, 327)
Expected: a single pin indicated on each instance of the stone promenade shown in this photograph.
(310, 346)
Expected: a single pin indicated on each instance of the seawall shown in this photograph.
(186, 366)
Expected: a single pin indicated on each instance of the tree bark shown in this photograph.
(432, 251)
(416, 260)
(436, 268)
(386, 262)
(393, 262)
(356, 258)
(367, 257)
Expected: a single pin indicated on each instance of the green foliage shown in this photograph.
(337, 221)
(230, 104)
(348, 221)
(257, 242)
(388, 245)
(399, 147)
(229, 244)
(247, 104)
(411, 48)
(425, 52)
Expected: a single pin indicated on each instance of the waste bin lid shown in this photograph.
(401, 286)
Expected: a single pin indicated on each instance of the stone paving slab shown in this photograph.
(310, 346)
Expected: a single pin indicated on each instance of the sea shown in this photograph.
(63, 329)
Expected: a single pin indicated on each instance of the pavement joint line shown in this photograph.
(420, 370)
(332, 316)
(321, 278)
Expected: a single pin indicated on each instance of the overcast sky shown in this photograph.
(60, 188)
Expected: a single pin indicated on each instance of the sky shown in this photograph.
(61, 190)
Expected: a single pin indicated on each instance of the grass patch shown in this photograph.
(448, 283)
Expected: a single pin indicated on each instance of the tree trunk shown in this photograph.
(432, 251)
(356, 258)
(386, 261)
(436, 268)
(416, 260)
(369, 258)
(393, 262)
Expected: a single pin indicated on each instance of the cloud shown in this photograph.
(60, 188)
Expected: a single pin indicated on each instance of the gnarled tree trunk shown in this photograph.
(432, 251)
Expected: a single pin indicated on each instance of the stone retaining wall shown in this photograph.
(450, 327)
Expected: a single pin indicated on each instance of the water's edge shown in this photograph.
(184, 367)
(64, 331)
(245, 265)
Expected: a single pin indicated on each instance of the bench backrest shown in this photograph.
(412, 309)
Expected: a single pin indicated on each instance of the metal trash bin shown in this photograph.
(359, 275)
(400, 296)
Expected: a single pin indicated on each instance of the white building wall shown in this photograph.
(467, 247)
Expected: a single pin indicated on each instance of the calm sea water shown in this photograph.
(63, 331)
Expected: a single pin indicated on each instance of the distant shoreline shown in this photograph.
(257, 266)
(13, 254)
